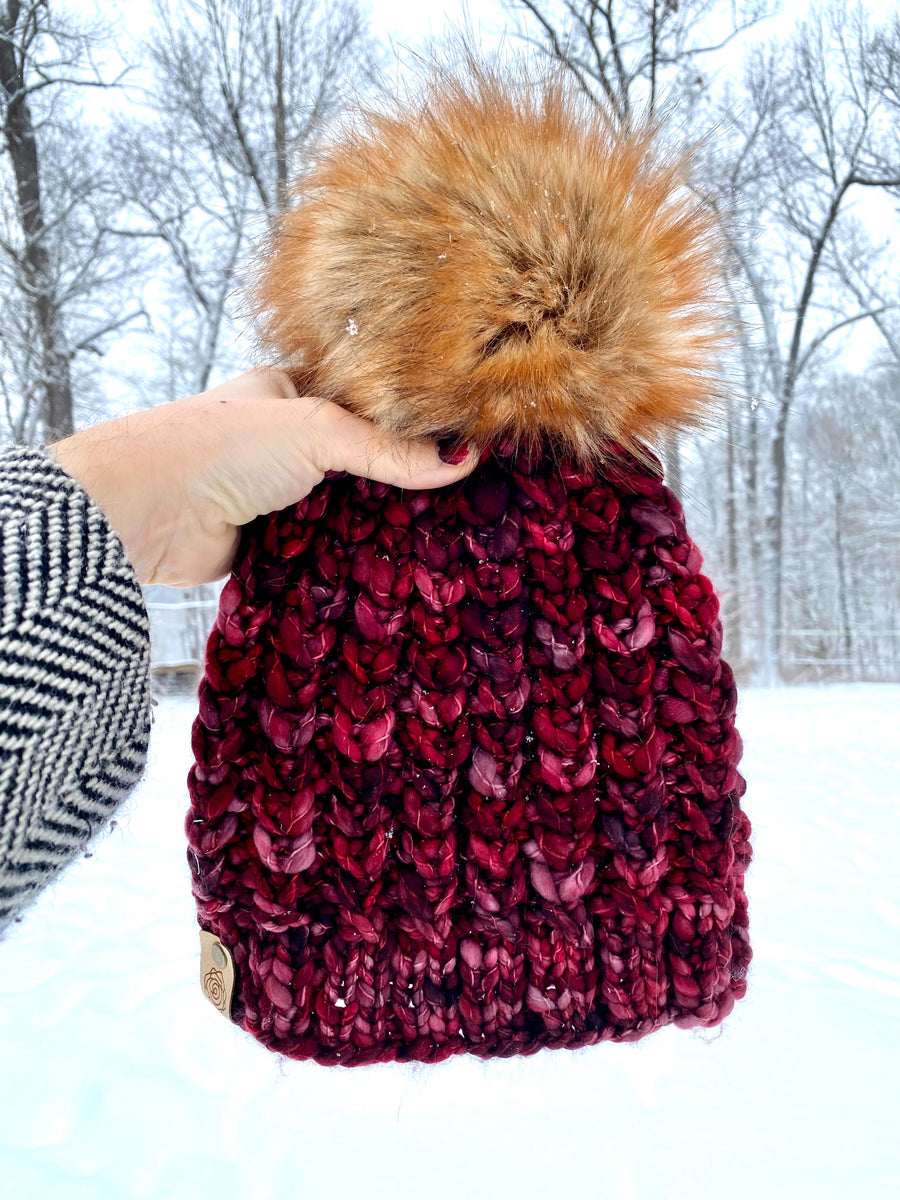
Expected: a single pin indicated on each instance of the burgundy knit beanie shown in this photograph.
(466, 765)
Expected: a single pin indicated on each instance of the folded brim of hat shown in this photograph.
(465, 772)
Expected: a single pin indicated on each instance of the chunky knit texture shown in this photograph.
(74, 674)
(465, 772)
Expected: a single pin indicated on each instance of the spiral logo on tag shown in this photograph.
(216, 972)
(214, 986)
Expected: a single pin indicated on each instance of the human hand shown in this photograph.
(177, 482)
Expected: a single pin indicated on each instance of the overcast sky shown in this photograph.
(394, 19)
(400, 22)
(400, 19)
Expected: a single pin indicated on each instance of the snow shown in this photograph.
(121, 1081)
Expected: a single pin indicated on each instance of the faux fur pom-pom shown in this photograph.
(496, 262)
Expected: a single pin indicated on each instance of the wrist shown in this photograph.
(114, 463)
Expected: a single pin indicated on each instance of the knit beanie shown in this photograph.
(465, 773)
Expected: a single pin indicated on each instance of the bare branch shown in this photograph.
(92, 340)
(819, 340)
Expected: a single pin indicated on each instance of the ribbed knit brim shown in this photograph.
(466, 770)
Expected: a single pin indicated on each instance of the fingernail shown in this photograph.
(452, 451)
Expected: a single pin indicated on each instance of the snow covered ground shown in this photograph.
(120, 1081)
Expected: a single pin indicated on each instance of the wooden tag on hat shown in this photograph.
(216, 972)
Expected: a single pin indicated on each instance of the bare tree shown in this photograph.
(58, 270)
(629, 53)
(847, 516)
(812, 129)
(242, 89)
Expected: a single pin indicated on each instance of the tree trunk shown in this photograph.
(214, 311)
(734, 587)
(281, 172)
(672, 456)
(18, 131)
(757, 545)
(843, 603)
(774, 548)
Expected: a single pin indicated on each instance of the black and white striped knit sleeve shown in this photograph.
(74, 674)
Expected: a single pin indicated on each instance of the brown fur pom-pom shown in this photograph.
(498, 262)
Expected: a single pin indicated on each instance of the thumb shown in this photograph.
(361, 448)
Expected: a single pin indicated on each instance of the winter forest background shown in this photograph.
(138, 170)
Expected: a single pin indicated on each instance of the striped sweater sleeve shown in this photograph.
(74, 674)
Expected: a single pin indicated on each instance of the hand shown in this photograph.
(177, 482)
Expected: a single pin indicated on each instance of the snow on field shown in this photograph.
(120, 1081)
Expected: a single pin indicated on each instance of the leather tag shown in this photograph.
(216, 972)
